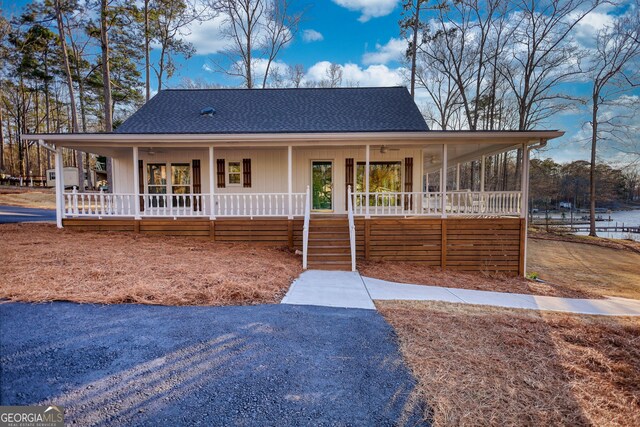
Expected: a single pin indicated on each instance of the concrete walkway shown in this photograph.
(350, 290)
(329, 289)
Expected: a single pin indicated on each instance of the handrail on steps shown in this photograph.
(305, 229)
(352, 229)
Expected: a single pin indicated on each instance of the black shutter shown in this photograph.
(220, 175)
(348, 179)
(197, 184)
(246, 173)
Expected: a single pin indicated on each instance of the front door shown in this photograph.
(322, 185)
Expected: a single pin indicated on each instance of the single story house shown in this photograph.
(339, 173)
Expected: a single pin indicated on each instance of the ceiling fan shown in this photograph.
(150, 151)
(385, 148)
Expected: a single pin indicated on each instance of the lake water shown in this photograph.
(631, 217)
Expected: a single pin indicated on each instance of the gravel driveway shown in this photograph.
(9, 214)
(152, 365)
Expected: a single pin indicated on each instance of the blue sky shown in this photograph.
(363, 37)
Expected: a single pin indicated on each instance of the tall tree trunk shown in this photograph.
(106, 74)
(72, 98)
(106, 79)
(147, 43)
(414, 47)
(1, 141)
(592, 169)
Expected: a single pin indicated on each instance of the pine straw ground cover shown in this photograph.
(419, 274)
(488, 366)
(39, 262)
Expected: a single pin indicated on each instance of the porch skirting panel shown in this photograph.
(465, 244)
(280, 232)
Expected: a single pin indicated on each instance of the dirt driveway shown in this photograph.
(601, 270)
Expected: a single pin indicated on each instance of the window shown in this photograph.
(181, 183)
(157, 183)
(52, 175)
(384, 177)
(235, 173)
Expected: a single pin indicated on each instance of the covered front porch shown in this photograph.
(380, 180)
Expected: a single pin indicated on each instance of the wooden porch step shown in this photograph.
(337, 228)
(330, 265)
(322, 258)
(328, 242)
(313, 250)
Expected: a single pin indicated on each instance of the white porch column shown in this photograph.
(482, 173)
(136, 184)
(212, 213)
(524, 185)
(443, 180)
(290, 179)
(524, 204)
(457, 176)
(366, 182)
(59, 187)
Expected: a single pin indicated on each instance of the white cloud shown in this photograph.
(394, 50)
(207, 37)
(352, 74)
(588, 27)
(312, 36)
(369, 8)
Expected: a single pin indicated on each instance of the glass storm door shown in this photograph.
(322, 185)
(157, 184)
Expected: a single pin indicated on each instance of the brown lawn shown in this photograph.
(597, 269)
(39, 262)
(42, 198)
(487, 366)
(419, 274)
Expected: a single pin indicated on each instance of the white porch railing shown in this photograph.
(261, 204)
(305, 228)
(430, 203)
(174, 205)
(182, 205)
(352, 228)
(98, 204)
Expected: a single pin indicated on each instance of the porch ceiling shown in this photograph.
(103, 143)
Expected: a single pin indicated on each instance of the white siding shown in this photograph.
(268, 167)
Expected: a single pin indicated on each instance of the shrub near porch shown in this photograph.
(41, 263)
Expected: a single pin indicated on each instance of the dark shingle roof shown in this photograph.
(385, 109)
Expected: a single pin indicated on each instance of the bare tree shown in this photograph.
(333, 76)
(614, 72)
(466, 38)
(279, 29)
(296, 74)
(542, 57)
(257, 30)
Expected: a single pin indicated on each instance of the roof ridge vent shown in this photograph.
(208, 111)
